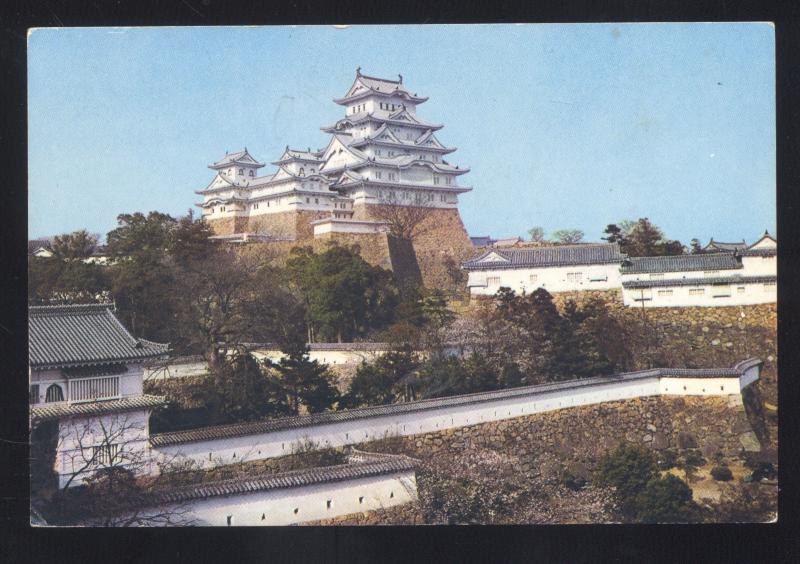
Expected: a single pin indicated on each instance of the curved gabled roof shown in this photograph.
(364, 85)
(557, 255)
(82, 335)
(681, 263)
(237, 158)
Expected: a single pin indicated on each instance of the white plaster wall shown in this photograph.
(347, 227)
(182, 370)
(553, 279)
(311, 502)
(753, 294)
(279, 443)
(130, 430)
(760, 266)
(683, 274)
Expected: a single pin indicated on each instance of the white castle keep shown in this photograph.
(380, 153)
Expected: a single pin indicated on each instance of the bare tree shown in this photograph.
(568, 236)
(110, 480)
(405, 219)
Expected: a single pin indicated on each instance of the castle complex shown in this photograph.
(381, 157)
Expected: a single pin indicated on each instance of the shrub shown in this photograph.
(628, 468)
(764, 470)
(667, 459)
(721, 473)
(664, 500)
(693, 458)
(575, 483)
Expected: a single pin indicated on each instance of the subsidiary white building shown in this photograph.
(86, 389)
(742, 277)
(561, 268)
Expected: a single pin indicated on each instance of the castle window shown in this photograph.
(313, 171)
(241, 171)
(711, 273)
(740, 290)
(308, 200)
(328, 504)
(104, 454)
(574, 276)
(54, 393)
(534, 277)
(697, 291)
(34, 393)
(379, 174)
(664, 292)
(435, 179)
(361, 499)
(302, 171)
(770, 286)
(447, 180)
(493, 280)
(316, 200)
(228, 519)
(656, 275)
(251, 174)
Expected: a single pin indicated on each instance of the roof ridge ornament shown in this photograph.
(400, 76)
(358, 71)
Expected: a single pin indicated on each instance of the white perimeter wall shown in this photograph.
(680, 296)
(311, 502)
(552, 279)
(216, 452)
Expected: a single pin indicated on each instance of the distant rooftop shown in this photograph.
(556, 255)
(681, 263)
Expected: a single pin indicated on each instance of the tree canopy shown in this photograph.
(345, 296)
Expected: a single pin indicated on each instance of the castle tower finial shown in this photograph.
(358, 71)
(400, 76)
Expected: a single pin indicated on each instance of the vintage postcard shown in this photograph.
(430, 274)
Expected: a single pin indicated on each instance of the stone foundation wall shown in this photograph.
(439, 236)
(584, 433)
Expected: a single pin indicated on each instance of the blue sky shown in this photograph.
(562, 126)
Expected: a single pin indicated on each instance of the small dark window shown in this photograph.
(361, 499)
(391, 494)
(241, 171)
(54, 393)
(251, 173)
(296, 509)
(229, 519)
(34, 395)
(302, 171)
(234, 455)
(328, 504)
(263, 516)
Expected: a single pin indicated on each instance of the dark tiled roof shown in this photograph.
(557, 255)
(360, 465)
(698, 281)
(681, 263)
(271, 425)
(720, 246)
(36, 244)
(481, 241)
(758, 252)
(46, 411)
(74, 335)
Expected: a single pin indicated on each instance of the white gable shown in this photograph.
(493, 257)
(765, 243)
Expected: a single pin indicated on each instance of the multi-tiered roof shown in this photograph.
(380, 143)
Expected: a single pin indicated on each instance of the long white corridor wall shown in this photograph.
(226, 444)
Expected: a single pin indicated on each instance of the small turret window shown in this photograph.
(241, 171)
(302, 171)
(251, 174)
(54, 393)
